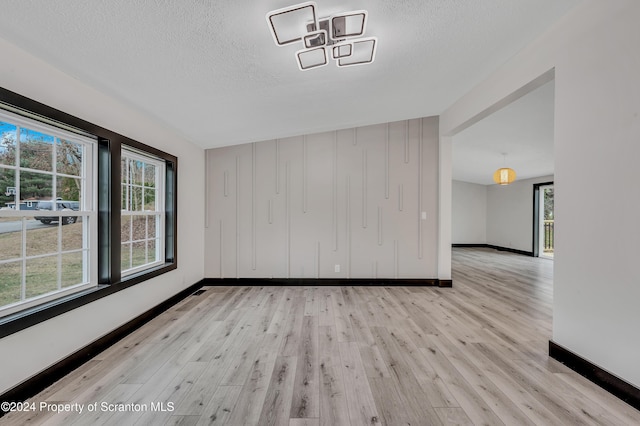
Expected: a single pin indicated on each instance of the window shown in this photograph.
(46, 181)
(84, 212)
(142, 218)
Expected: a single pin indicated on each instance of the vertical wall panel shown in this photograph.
(364, 188)
(277, 164)
(420, 192)
(380, 241)
(207, 190)
(304, 174)
(270, 233)
(396, 266)
(318, 222)
(219, 207)
(237, 195)
(406, 141)
(221, 256)
(317, 263)
(253, 206)
(292, 204)
(348, 225)
(335, 191)
(386, 162)
(212, 236)
(287, 191)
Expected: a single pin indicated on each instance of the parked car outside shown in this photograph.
(61, 205)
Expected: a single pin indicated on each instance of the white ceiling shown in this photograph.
(211, 71)
(523, 130)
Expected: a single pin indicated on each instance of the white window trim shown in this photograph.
(87, 210)
(159, 211)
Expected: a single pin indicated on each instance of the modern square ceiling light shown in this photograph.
(311, 58)
(363, 51)
(352, 24)
(289, 24)
(341, 50)
(315, 39)
(335, 36)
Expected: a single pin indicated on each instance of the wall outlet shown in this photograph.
(336, 268)
(424, 215)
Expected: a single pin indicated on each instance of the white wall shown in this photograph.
(299, 206)
(28, 352)
(510, 214)
(493, 214)
(597, 127)
(469, 213)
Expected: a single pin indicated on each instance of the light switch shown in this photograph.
(424, 215)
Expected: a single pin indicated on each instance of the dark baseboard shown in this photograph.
(609, 382)
(307, 282)
(445, 283)
(45, 378)
(510, 250)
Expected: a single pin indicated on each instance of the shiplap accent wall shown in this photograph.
(297, 207)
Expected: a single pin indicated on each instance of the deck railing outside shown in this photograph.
(548, 236)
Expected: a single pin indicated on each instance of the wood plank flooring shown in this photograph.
(474, 354)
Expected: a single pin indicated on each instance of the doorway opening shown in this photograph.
(543, 220)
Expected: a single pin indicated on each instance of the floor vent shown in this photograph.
(199, 292)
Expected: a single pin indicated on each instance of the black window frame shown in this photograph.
(110, 280)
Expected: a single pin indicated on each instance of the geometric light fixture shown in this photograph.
(337, 37)
(504, 175)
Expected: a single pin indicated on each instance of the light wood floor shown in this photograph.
(473, 354)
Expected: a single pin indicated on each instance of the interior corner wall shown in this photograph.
(304, 207)
(510, 214)
(469, 213)
(597, 127)
(34, 349)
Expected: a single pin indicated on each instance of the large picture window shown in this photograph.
(47, 212)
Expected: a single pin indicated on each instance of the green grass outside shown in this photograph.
(137, 253)
(41, 273)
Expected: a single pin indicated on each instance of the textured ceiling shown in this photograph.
(210, 70)
(523, 130)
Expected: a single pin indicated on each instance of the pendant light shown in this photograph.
(504, 175)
